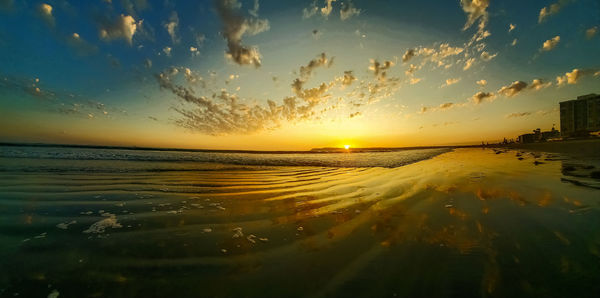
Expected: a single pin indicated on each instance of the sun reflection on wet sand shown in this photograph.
(470, 221)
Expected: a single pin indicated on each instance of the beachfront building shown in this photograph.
(538, 136)
(579, 117)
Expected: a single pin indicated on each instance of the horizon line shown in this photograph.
(312, 150)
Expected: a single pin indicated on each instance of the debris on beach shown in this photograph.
(449, 206)
(207, 230)
(251, 238)
(64, 225)
(217, 206)
(100, 226)
(42, 235)
(300, 229)
(237, 232)
(535, 162)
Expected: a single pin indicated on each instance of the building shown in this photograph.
(579, 117)
(538, 136)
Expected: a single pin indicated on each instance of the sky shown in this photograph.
(291, 75)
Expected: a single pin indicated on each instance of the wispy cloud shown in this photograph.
(552, 9)
(450, 81)
(171, 27)
(44, 10)
(591, 32)
(224, 112)
(512, 89)
(348, 10)
(518, 115)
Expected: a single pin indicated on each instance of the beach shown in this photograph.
(450, 223)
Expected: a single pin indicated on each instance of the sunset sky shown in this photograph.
(291, 75)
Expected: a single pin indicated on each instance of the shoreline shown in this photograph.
(588, 148)
(325, 150)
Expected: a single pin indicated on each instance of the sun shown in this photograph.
(346, 147)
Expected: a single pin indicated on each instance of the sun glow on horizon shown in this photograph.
(346, 147)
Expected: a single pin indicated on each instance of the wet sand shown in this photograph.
(472, 222)
(589, 148)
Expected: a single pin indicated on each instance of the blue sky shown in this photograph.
(114, 72)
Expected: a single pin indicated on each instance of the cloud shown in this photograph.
(326, 11)
(348, 10)
(411, 70)
(347, 79)
(58, 100)
(123, 27)
(446, 106)
(414, 81)
(514, 42)
(226, 113)
(553, 9)
(538, 84)
(469, 63)
(511, 27)
(591, 32)
(450, 82)
(81, 46)
(436, 56)
(194, 51)
(254, 11)
(570, 77)
(171, 27)
(516, 115)
(442, 107)
(167, 51)
(481, 83)
(235, 26)
(485, 56)
(479, 97)
(475, 9)
(380, 69)
(310, 11)
(408, 55)
(550, 43)
(513, 89)
(44, 10)
(356, 114)
(321, 60)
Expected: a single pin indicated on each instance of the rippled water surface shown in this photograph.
(470, 222)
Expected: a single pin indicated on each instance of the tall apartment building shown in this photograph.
(580, 116)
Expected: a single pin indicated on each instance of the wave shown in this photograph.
(86, 159)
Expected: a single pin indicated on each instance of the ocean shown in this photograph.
(89, 222)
